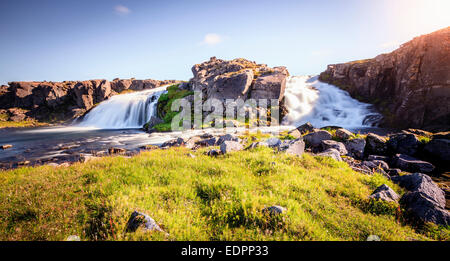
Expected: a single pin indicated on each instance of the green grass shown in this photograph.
(21, 124)
(201, 198)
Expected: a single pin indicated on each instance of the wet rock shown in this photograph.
(295, 147)
(305, 128)
(230, 146)
(274, 210)
(331, 144)
(375, 144)
(140, 220)
(385, 193)
(315, 138)
(355, 147)
(6, 146)
(403, 144)
(411, 164)
(331, 153)
(343, 134)
(439, 148)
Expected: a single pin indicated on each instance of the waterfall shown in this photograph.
(125, 111)
(309, 100)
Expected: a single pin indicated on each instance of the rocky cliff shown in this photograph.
(50, 101)
(410, 86)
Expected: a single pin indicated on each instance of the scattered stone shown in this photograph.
(403, 143)
(376, 164)
(23, 163)
(332, 153)
(295, 133)
(140, 220)
(377, 157)
(226, 137)
(373, 238)
(213, 153)
(439, 148)
(343, 134)
(272, 143)
(207, 142)
(73, 238)
(355, 147)
(86, 158)
(192, 142)
(331, 144)
(411, 164)
(295, 147)
(116, 150)
(6, 146)
(375, 144)
(254, 145)
(229, 146)
(305, 128)
(385, 193)
(274, 210)
(314, 139)
(394, 172)
(149, 147)
(174, 143)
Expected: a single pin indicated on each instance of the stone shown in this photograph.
(274, 210)
(270, 85)
(305, 128)
(315, 138)
(438, 148)
(441, 136)
(343, 134)
(208, 142)
(174, 143)
(253, 145)
(116, 151)
(331, 153)
(403, 144)
(226, 137)
(230, 146)
(6, 146)
(213, 153)
(339, 146)
(378, 157)
(394, 172)
(272, 143)
(295, 147)
(152, 122)
(73, 238)
(376, 164)
(411, 164)
(355, 147)
(295, 133)
(375, 144)
(373, 238)
(424, 208)
(385, 193)
(140, 220)
(412, 82)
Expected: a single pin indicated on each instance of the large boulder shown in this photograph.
(305, 128)
(403, 143)
(271, 85)
(424, 184)
(375, 144)
(343, 134)
(410, 164)
(385, 193)
(331, 153)
(355, 147)
(439, 148)
(229, 146)
(294, 147)
(410, 86)
(315, 138)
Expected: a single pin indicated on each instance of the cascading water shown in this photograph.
(321, 104)
(125, 111)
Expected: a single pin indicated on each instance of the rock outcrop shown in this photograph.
(410, 86)
(49, 101)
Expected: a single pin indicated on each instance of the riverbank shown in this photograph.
(192, 196)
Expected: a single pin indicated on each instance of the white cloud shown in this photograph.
(212, 39)
(122, 10)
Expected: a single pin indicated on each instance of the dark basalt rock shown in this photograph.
(410, 164)
(375, 144)
(404, 144)
(331, 144)
(315, 138)
(385, 193)
(355, 148)
(138, 219)
(439, 148)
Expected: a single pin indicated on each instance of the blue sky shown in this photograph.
(104, 39)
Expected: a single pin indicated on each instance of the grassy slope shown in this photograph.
(199, 198)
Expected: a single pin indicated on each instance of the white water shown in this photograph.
(321, 104)
(125, 111)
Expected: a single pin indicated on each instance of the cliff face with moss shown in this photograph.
(410, 86)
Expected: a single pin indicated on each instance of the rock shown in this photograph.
(373, 238)
(226, 137)
(213, 153)
(270, 85)
(141, 220)
(419, 132)
(343, 134)
(86, 158)
(377, 157)
(208, 142)
(116, 151)
(315, 138)
(73, 238)
(376, 164)
(403, 144)
(410, 85)
(149, 147)
(385, 193)
(441, 136)
(339, 146)
(174, 143)
(305, 128)
(272, 143)
(229, 146)
(6, 146)
(424, 184)
(295, 147)
(331, 153)
(375, 144)
(394, 172)
(254, 145)
(439, 148)
(424, 208)
(295, 133)
(355, 147)
(152, 122)
(274, 210)
(410, 164)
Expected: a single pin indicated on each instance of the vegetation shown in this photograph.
(21, 124)
(201, 198)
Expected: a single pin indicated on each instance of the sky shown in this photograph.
(57, 40)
